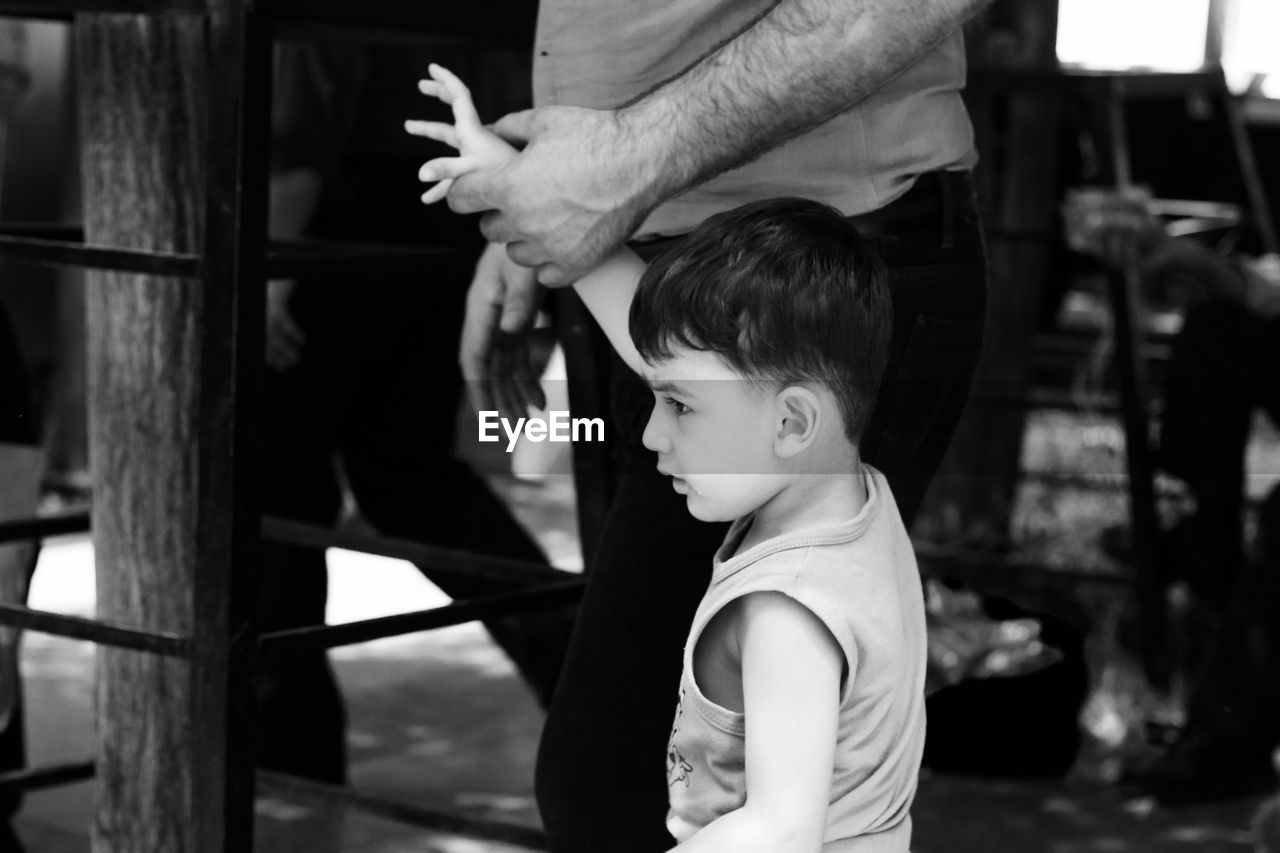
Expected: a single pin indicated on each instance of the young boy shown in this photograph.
(800, 723)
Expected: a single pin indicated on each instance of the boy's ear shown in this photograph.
(799, 416)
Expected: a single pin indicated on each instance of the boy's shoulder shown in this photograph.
(874, 539)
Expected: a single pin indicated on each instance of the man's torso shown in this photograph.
(602, 54)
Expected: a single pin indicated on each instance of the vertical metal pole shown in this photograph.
(1214, 32)
(1139, 466)
(1126, 304)
(1255, 191)
(237, 136)
(1118, 134)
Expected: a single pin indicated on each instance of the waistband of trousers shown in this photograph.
(931, 214)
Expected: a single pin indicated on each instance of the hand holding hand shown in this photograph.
(576, 191)
(564, 203)
(503, 298)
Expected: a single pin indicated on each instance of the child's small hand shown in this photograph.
(478, 147)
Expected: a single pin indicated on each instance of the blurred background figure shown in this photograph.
(21, 466)
(1227, 747)
(1225, 367)
(362, 384)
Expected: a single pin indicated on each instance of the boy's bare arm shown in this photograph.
(791, 671)
(607, 292)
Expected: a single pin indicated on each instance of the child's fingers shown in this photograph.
(437, 192)
(433, 89)
(437, 130)
(445, 167)
(457, 95)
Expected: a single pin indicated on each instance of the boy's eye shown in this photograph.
(676, 406)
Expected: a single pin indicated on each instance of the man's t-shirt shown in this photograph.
(602, 54)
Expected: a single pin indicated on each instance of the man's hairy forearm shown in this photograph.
(794, 68)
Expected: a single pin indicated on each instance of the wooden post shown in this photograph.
(171, 365)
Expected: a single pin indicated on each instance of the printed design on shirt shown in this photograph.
(678, 768)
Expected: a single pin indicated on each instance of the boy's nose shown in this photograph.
(655, 437)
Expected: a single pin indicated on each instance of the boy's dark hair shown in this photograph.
(783, 290)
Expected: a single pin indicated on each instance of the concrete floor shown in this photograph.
(437, 719)
(440, 719)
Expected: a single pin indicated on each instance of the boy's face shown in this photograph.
(713, 432)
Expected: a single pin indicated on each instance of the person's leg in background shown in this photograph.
(397, 441)
(601, 774)
(1225, 365)
(301, 716)
(1233, 710)
(18, 438)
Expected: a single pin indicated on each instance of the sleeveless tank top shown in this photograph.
(860, 578)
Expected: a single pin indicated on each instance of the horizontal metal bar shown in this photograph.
(53, 775)
(1020, 235)
(317, 637)
(325, 260)
(49, 776)
(95, 630)
(64, 9)
(1099, 403)
(63, 245)
(1155, 345)
(1038, 588)
(38, 527)
(987, 565)
(445, 560)
(1117, 482)
(407, 813)
(56, 244)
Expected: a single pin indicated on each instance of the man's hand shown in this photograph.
(1116, 226)
(494, 351)
(576, 192)
(285, 337)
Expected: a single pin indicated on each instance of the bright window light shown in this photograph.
(1116, 35)
(1249, 45)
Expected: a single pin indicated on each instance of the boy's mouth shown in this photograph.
(678, 483)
